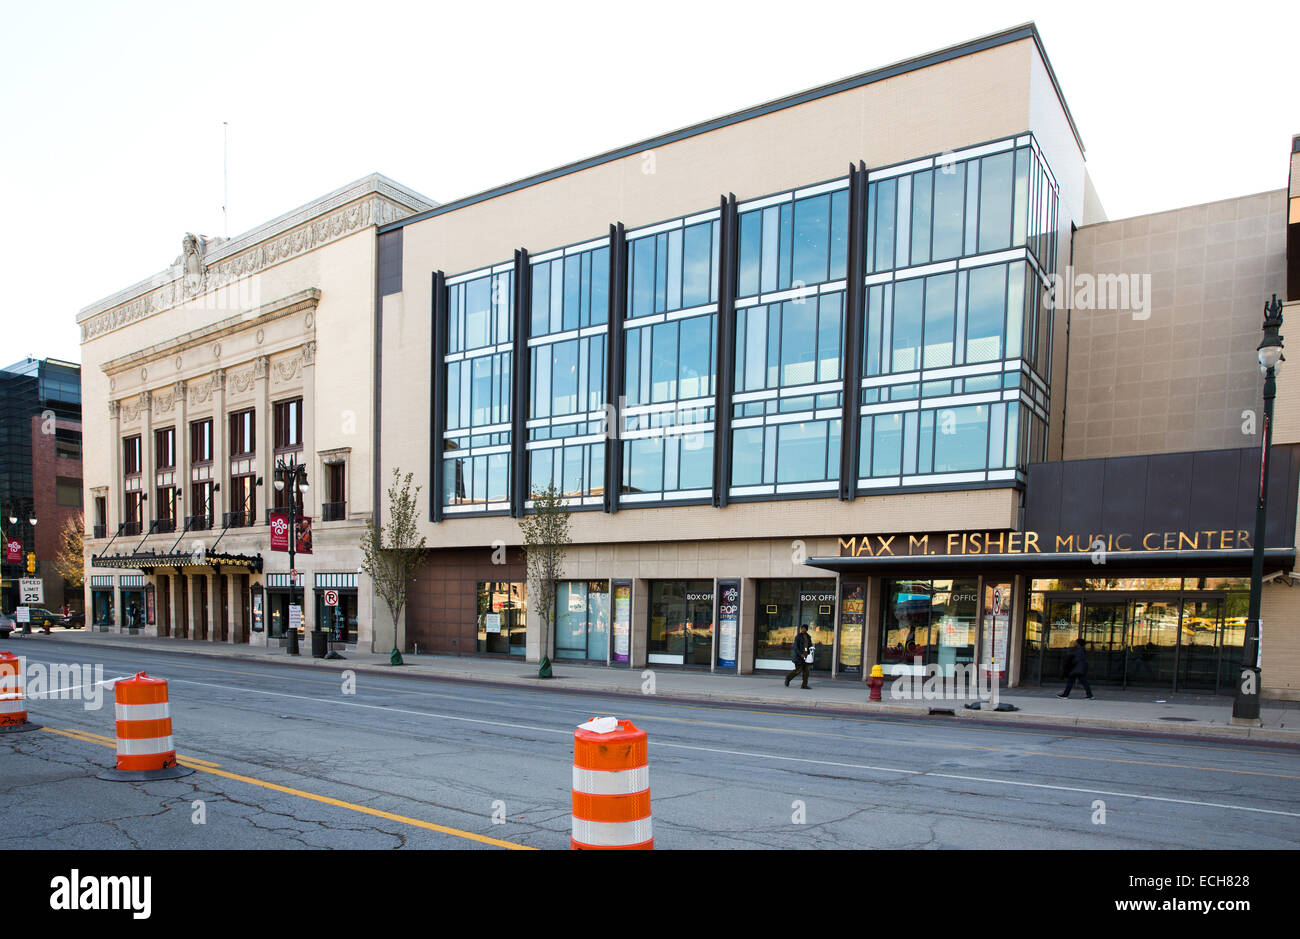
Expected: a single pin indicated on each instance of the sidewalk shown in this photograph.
(1145, 710)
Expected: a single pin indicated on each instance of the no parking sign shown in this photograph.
(331, 598)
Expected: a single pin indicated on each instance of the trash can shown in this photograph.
(319, 643)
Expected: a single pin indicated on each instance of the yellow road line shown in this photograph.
(338, 803)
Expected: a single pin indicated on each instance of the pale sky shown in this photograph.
(112, 112)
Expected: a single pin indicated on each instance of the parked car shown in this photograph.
(73, 620)
(6, 625)
(43, 618)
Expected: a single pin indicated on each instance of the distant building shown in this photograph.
(40, 470)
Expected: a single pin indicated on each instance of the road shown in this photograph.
(285, 758)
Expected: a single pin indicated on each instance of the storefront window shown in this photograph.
(102, 601)
(852, 627)
(339, 620)
(681, 622)
(934, 621)
(502, 617)
(781, 606)
(582, 620)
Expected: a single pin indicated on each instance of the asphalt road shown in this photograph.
(285, 758)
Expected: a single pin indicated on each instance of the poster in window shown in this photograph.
(622, 621)
(728, 621)
(257, 611)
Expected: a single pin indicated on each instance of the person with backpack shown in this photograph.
(1075, 667)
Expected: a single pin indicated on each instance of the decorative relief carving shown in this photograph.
(165, 401)
(309, 321)
(261, 366)
(202, 391)
(144, 374)
(218, 379)
(242, 380)
(261, 334)
(216, 350)
(309, 353)
(192, 275)
(114, 408)
(178, 363)
(131, 412)
(287, 368)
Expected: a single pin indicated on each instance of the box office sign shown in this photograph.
(1031, 542)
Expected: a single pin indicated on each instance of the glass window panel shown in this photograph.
(1015, 308)
(875, 300)
(697, 266)
(747, 456)
(572, 290)
(903, 221)
(985, 305)
(595, 372)
(664, 363)
(661, 271)
(646, 464)
(909, 442)
(833, 449)
(541, 311)
(481, 390)
(771, 247)
(961, 439)
(477, 305)
(906, 344)
(996, 201)
(599, 287)
(696, 469)
(925, 461)
(756, 349)
(643, 276)
(811, 244)
(871, 227)
(542, 469)
(801, 452)
(453, 395)
(787, 235)
(696, 356)
(632, 380)
(596, 486)
(940, 299)
(564, 377)
(1021, 213)
(887, 445)
(921, 185)
(864, 447)
(674, 273)
(798, 342)
(828, 337)
(949, 194)
(997, 435)
(1013, 435)
(839, 254)
(769, 454)
(574, 484)
(885, 225)
(751, 227)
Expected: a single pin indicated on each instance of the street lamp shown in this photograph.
(1245, 706)
(293, 475)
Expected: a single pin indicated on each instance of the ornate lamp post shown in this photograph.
(1245, 707)
(293, 475)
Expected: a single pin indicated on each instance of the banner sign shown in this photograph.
(279, 531)
(728, 621)
(13, 551)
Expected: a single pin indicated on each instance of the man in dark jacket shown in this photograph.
(802, 643)
(1078, 670)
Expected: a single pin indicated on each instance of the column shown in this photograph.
(180, 605)
(745, 641)
(115, 497)
(871, 627)
(148, 462)
(264, 442)
(183, 507)
(192, 599)
(1016, 634)
(214, 606)
(639, 645)
(235, 603)
(220, 449)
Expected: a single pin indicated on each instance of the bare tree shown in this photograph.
(546, 540)
(391, 554)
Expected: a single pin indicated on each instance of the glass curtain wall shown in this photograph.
(955, 373)
(670, 342)
(476, 442)
(569, 312)
(788, 398)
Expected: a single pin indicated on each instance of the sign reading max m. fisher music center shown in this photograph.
(1032, 542)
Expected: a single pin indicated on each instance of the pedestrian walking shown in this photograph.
(801, 656)
(1078, 671)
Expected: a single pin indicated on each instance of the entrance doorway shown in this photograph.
(681, 623)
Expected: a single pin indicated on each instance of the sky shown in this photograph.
(111, 143)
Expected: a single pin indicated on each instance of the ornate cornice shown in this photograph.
(369, 202)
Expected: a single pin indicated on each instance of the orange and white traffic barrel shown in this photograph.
(13, 695)
(611, 787)
(144, 731)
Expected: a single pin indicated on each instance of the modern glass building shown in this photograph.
(824, 361)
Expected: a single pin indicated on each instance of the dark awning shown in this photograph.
(151, 560)
(1230, 561)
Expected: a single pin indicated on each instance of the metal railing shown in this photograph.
(101, 531)
(333, 511)
(240, 519)
(198, 522)
(164, 525)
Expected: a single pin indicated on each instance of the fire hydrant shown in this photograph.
(876, 682)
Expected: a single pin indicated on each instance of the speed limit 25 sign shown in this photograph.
(32, 590)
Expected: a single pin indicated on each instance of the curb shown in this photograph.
(1225, 732)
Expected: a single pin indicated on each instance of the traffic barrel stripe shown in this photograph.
(144, 730)
(142, 712)
(13, 703)
(611, 782)
(629, 836)
(589, 808)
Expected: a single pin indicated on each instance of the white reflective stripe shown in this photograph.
(617, 782)
(11, 696)
(146, 747)
(142, 712)
(13, 707)
(611, 834)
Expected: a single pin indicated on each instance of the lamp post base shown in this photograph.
(1245, 707)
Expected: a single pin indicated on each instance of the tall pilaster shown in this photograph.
(220, 448)
(115, 496)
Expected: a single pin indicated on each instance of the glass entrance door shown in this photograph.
(1198, 656)
(1153, 642)
(1103, 636)
(1061, 629)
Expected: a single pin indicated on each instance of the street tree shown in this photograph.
(69, 558)
(545, 535)
(391, 554)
